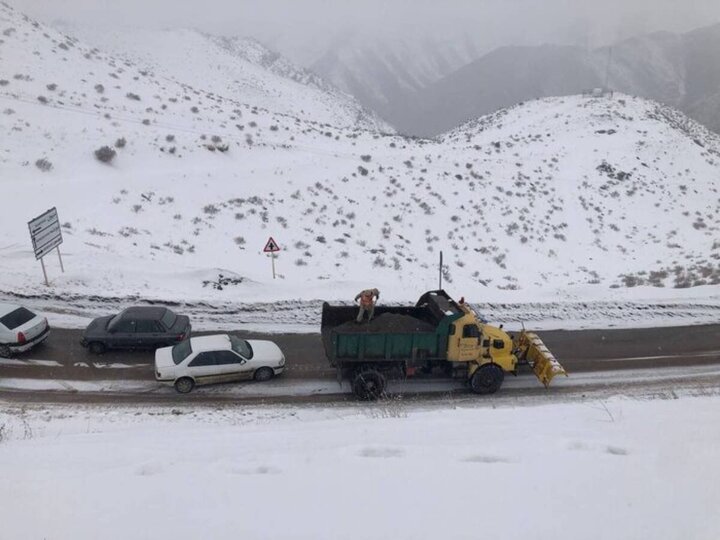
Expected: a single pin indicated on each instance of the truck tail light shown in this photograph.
(21, 338)
(180, 337)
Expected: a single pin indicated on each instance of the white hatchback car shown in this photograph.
(214, 359)
(20, 329)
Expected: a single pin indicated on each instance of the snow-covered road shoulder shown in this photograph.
(615, 468)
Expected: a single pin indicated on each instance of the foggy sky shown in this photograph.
(303, 29)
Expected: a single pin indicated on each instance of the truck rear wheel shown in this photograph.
(487, 379)
(369, 384)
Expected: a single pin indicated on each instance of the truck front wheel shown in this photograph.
(487, 379)
(368, 384)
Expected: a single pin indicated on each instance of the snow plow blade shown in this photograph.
(533, 351)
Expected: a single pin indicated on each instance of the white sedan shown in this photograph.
(20, 329)
(214, 359)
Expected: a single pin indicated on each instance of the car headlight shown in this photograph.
(282, 361)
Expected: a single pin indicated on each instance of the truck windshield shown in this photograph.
(181, 351)
(241, 347)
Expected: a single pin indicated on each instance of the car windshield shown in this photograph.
(181, 351)
(168, 319)
(16, 318)
(241, 347)
(112, 323)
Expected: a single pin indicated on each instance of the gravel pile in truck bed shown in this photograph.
(386, 323)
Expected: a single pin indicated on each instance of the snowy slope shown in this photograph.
(554, 195)
(237, 68)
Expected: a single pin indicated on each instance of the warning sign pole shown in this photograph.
(60, 259)
(42, 263)
(272, 248)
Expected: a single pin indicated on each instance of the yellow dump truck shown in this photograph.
(438, 334)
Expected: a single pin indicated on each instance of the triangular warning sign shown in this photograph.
(271, 246)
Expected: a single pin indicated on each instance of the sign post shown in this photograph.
(46, 235)
(272, 248)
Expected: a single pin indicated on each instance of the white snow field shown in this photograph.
(574, 203)
(598, 469)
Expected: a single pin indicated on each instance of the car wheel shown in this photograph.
(97, 347)
(5, 351)
(264, 374)
(184, 385)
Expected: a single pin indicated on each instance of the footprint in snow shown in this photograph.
(486, 459)
(149, 469)
(609, 449)
(262, 469)
(382, 452)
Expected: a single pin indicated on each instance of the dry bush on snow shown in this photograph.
(105, 154)
(43, 164)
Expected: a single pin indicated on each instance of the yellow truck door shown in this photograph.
(464, 341)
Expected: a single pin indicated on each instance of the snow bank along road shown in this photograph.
(62, 370)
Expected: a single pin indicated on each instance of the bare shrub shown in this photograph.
(132, 96)
(43, 164)
(120, 143)
(105, 154)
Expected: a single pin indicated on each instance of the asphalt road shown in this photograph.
(61, 357)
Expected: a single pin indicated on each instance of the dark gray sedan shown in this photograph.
(136, 328)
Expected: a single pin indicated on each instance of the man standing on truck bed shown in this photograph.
(368, 297)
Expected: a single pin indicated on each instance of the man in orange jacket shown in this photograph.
(367, 298)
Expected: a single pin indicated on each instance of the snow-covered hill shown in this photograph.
(573, 194)
(238, 68)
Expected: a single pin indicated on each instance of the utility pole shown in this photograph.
(440, 272)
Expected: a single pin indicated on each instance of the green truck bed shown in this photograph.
(395, 334)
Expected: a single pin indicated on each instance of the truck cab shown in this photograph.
(471, 340)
